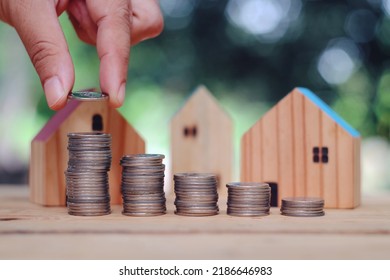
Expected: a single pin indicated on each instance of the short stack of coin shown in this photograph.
(302, 206)
(143, 185)
(87, 189)
(248, 199)
(196, 194)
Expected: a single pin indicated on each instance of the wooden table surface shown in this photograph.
(29, 231)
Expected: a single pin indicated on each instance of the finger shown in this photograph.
(113, 21)
(84, 26)
(147, 20)
(37, 25)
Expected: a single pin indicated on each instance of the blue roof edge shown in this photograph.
(339, 120)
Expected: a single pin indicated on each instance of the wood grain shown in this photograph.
(346, 177)
(285, 148)
(299, 164)
(31, 231)
(329, 170)
(312, 124)
(269, 144)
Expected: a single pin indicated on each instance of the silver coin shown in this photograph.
(89, 135)
(195, 176)
(180, 213)
(143, 214)
(305, 208)
(247, 214)
(302, 200)
(88, 96)
(247, 185)
(319, 214)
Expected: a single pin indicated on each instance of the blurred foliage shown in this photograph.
(204, 47)
(250, 54)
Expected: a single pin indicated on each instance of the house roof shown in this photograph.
(332, 114)
(201, 91)
(54, 123)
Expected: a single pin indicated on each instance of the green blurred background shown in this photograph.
(249, 53)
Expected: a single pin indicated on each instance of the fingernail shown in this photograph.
(121, 93)
(54, 92)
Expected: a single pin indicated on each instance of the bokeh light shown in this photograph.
(177, 13)
(360, 25)
(375, 164)
(339, 61)
(386, 7)
(267, 19)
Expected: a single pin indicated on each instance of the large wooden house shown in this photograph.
(202, 138)
(49, 154)
(304, 148)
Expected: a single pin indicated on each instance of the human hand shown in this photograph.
(111, 25)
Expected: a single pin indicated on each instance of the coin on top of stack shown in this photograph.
(143, 185)
(302, 206)
(88, 96)
(196, 194)
(248, 199)
(87, 189)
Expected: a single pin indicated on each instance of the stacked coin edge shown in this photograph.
(302, 207)
(87, 187)
(142, 185)
(196, 194)
(248, 199)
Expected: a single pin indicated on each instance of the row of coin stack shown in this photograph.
(142, 186)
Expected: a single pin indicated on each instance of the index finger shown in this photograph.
(113, 19)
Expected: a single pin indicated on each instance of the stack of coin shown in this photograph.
(248, 199)
(87, 188)
(143, 185)
(302, 206)
(196, 194)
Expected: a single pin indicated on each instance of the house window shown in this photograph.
(186, 131)
(97, 123)
(324, 156)
(320, 154)
(316, 154)
(190, 131)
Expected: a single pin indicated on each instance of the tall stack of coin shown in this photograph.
(196, 194)
(143, 185)
(248, 199)
(302, 206)
(87, 188)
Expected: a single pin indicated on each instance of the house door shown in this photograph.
(274, 193)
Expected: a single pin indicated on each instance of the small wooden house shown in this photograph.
(202, 138)
(305, 149)
(49, 154)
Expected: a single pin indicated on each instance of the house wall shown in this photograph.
(211, 149)
(279, 148)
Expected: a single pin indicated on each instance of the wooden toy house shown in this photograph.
(49, 154)
(202, 138)
(304, 148)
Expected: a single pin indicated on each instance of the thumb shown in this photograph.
(37, 25)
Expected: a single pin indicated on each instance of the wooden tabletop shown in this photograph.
(29, 231)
